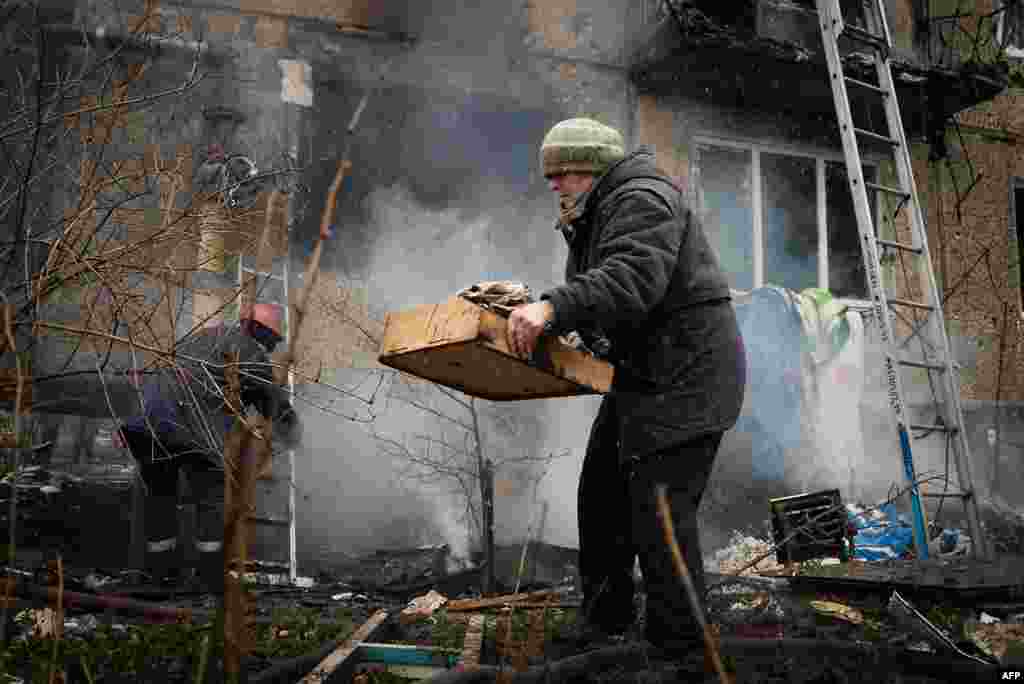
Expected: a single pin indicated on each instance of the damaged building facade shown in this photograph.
(733, 97)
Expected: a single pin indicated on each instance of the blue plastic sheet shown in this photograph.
(886, 538)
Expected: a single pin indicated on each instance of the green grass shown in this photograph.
(307, 628)
(129, 652)
(104, 651)
(445, 633)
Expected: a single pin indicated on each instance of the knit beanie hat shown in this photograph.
(580, 146)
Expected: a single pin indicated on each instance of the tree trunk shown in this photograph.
(485, 470)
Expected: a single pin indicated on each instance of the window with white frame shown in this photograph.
(780, 217)
(1010, 27)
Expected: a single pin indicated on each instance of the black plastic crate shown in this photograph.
(822, 538)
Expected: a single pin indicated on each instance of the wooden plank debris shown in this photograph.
(535, 633)
(461, 345)
(331, 663)
(500, 601)
(473, 643)
(421, 607)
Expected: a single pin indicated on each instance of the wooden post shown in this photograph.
(235, 538)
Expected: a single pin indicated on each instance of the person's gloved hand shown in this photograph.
(287, 416)
(288, 432)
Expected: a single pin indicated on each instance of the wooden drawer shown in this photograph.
(461, 345)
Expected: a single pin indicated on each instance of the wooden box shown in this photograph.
(463, 346)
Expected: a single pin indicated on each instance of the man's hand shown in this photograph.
(525, 325)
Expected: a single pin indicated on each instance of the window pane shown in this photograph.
(790, 221)
(845, 263)
(726, 211)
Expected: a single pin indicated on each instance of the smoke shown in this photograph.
(423, 255)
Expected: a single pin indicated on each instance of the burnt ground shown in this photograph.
(291, 622)
(772, 631)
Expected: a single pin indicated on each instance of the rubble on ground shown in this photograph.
(742, 550)
(433, 614)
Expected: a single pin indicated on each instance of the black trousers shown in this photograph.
(618, 521)
(159, 471)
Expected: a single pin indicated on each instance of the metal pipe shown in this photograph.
(136, 41)
(96, 602)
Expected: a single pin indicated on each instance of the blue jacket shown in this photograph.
(184, 406)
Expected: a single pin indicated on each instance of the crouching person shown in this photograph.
(181, 428)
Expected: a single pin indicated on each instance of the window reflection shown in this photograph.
(726, 210)
(845, 263)
(789, 201)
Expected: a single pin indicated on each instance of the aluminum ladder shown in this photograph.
(924, 318)
(288, 520)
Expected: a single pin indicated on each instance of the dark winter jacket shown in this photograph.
(640, 271)
(184, 407)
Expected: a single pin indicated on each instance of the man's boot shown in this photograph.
(163, 555)
(210, 566)
(163, 560)
(208, 488)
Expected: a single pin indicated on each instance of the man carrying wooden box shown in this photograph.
(640, 272)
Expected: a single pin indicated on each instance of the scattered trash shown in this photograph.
(741, 550)
(882, 534)
(997, 639)
(44, 623)
(422, 607)
(987, 619)
(911, 619)
(274, 580)
(951, 542)
(350, 596)
(838, 610)
(94, 581)
(758, 601)
(81, 626)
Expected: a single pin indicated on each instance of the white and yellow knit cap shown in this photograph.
(580, 146)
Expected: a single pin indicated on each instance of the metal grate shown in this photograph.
(821, 520)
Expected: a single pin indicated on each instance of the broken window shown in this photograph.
(770, 224)
(1010, 27)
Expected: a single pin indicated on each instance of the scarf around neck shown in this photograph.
(570, 211)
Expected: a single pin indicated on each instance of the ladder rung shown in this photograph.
(916, 305)
(886, 188)
(932, 428)
(899, 245)
(267, 520)
(863, 36)
(947, 495)
(876, 136)
(866, 86)
(920, 364)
